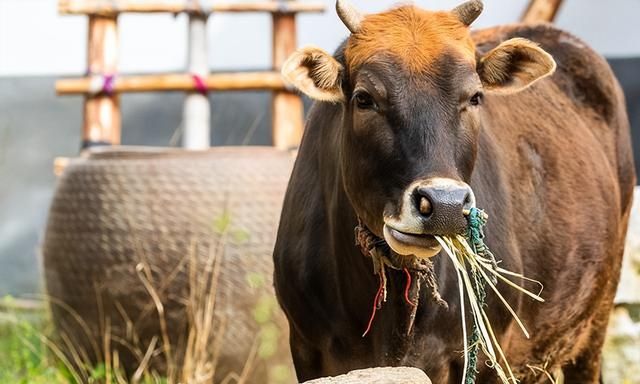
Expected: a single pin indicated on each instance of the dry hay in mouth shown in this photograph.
(476, 268)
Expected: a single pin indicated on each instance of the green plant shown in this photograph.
(24, 355)
(31, 351)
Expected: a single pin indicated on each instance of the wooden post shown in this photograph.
(113, 7)
(541, 11)
(196, 114)
(287, 108)
(180, 82)
(102, 111)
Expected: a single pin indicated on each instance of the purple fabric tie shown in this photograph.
(101, 84)
(109, 84)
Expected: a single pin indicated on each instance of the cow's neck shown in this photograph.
(352, 273)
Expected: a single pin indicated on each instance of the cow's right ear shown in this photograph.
(315, 73)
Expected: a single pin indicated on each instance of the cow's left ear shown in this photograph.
(514, 65)
(315, 73)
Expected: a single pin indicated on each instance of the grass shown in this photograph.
(24, 357)
(29, 355)
(31, 352)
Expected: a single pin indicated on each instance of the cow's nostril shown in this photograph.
(424, 206)
(467, 201)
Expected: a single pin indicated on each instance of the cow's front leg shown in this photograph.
(307, 359)
(586, 367)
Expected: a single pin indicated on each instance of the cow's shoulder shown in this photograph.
(582, 74)
(586, 78)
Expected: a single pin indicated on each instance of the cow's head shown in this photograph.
(411, 86)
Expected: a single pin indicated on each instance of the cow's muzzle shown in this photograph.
(431, 207)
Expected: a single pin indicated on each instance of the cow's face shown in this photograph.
(411, 87)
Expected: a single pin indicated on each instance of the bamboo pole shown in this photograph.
(239, 81)
(113, 7)
(287, 109)
(197, 111)
(541, 11)
(102, 112)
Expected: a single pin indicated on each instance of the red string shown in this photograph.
(376, 300)
(375, 306)
(199, 84)
(407, 287)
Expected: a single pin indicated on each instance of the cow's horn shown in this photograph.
(349, 15)
(469, 11)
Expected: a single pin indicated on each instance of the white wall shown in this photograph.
(35, 40)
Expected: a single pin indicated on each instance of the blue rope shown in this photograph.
(477, 219)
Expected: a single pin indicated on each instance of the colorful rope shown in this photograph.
(477, 219)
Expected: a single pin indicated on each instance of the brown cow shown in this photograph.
(417, 119)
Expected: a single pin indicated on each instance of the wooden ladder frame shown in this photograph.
(102, 120)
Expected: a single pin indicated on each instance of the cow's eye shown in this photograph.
(476, 99)
(364, 100)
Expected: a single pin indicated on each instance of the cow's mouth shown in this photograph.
(403, 243)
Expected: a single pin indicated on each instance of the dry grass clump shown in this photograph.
(474, 270)
(195, 357)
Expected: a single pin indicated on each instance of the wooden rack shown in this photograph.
(235, 81)
(112, 8)
(102, 121)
